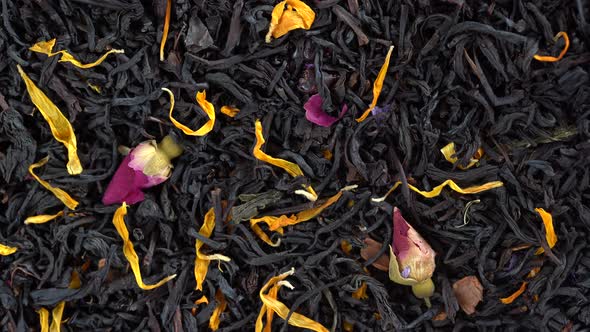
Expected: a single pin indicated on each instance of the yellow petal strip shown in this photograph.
(203, 299)
(60, 194)
(550, 235)
(293, 169)
(289, 15)
(377, 86)
(43, 319)
(7, 250)
(201, 260)
(438, 189)
(515, 295)
(230, 111)
(281, 309)
(449, 153)
(56, 314)
(46, 47)
(221, 305)
(548, 58)
(129, 251)
(361, 292)
(43, 218)
(166, 27)
(60, 126)
(205, 105)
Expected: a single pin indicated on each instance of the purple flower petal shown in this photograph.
(315, 113)
(406, 272)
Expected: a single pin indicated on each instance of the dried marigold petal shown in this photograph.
(515, 295)
(548, 58)
(377, 86)
(281, 309)
(43, 319)
(166, 27)
(56, 314)
(129, 251)
(550, 235)
(361, 292)
(7, 250)
(43, 218)
(221, 305)
(207, 108)
(46, 47)
(203, 299)
(438, 189)
(230, 111)
(346, 247)
(60, 126)
(63, 196)
(449, 153)
(289, 15)
(201, 260)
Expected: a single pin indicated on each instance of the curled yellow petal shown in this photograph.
(43, 319)
(272, 303)
(230, 111)
(202, 260)
(60, 126)
(515, 295)
(550, 235)
(205, 105)
(129, 251)
(548, 58)
(166, 27)
(377, 86)
(361, 292)
(293, 169)
(7, 250)
(438, 189)
(221, 305)
(203, 299)
(449, 153)
(43, 218)
(289, 15)
(46, 47)
(56, 314)
(60, 194)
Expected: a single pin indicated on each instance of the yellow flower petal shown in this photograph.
(230, 111)
(7, 250)
(43, 218)
(289, 15)
(43, 319)
(515, 295)
(548, 58)
(270, 303)
(438, 189)
(550, 235)
(205, 105)
(166, 27)
(203, 299)
(129, 251)
(346, 247)
(60, 194)
(377, 86)
(361, 292)
(202, 260)
(56, 314)
(221, 305)
(60, 126)
(46, 47)
(449, 150)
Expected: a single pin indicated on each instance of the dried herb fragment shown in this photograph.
(60, 126)
(438, 189)
(289, 15)
(515, 295)
(7, 250)
(45, 47)
(205, 105)
(449, 153)
(166, 27)
(371, 248)
(377, 86)
(549, 58)
(41, 219)
(230, 111)
(280, 309)
(221, 305)
(469, 292)
(550, 235)
(201, 260)
(129, 251)
(60, 194)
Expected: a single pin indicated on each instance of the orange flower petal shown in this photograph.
(221, 305)
(515, 295)
(289, 15)
(43, 218)
(361, 292)
(43, 319)
(377, 86)
(46, 47)
(230, 111)
(548, 58)
(201, 260)
(207, 108)
(63, 196)
(550, 235)
(449, 151)
(166, 27)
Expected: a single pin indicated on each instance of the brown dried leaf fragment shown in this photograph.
(469, 292)
(371, 249)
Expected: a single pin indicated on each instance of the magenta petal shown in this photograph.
(401, 242)
(126, 185)
(315, 113)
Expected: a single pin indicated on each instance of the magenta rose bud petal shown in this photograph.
(125, 185)
(315, 113)
(401, 242)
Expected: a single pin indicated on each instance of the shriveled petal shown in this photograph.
(205, 105)
(316, 114)
(7, 250)
(377, 86)
(219, 309)
(289, 15)
(63, 196)
(46, 47)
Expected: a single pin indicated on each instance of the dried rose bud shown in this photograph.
(411, 259)
(147, 165)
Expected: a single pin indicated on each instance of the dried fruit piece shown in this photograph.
(371, 248)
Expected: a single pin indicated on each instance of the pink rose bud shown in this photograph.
(412, 259)
(147, 165)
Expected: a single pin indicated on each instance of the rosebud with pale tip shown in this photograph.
(411, 261)
(147, 165)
